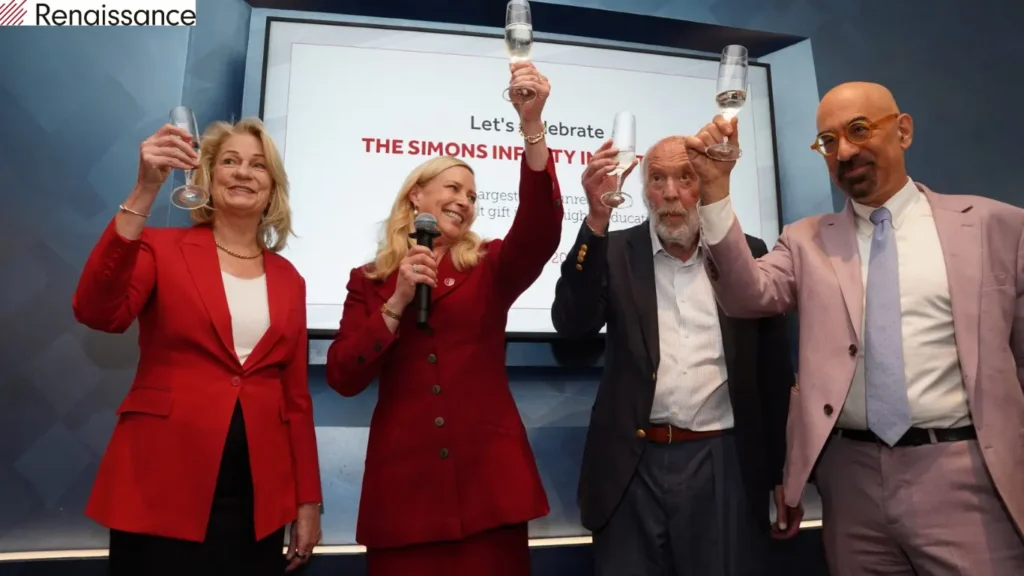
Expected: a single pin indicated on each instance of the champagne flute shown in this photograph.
(730, 97)
(188, 196)
(624, 140)
(518, 44)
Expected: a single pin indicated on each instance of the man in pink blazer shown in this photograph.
(909, 409)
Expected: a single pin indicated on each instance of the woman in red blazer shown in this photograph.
(214, 450)
(450, 480)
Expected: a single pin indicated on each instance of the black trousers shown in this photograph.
(230, 547)
(685, 513)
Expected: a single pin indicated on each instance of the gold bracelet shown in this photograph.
(531, 139)
(124, 208)
(389, 312)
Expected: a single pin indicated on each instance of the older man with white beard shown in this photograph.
(687, 434)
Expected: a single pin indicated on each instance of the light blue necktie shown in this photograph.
(888, 409)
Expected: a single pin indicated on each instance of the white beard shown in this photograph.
(683, 234)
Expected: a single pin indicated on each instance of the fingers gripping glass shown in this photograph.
(518, 44)
(624, 140)
(730, 97)
(858, 131)
(188, 196)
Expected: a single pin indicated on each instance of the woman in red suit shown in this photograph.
(214, 451)
(450, 480)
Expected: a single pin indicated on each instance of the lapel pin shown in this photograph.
(449, 281)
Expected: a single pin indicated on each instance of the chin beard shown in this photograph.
(683, 234)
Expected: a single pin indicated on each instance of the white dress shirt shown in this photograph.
(935, 387)
(250, 311)
(692, 387)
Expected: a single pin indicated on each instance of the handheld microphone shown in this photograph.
(426, 230)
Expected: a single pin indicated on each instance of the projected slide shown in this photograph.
(355, 109)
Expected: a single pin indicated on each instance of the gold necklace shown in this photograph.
(236, 254)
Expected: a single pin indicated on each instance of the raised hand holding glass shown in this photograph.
(188, 196)
(518, 44)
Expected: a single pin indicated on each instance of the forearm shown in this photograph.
(581, 292)
(131, 222)
(536, 154)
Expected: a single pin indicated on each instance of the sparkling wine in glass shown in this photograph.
(730, 97)
(518, 44)
(188, 196)
(624, 140)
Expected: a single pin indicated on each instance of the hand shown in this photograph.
(712, 171)
(597, 180)
(787, 518)
(418, 267)
(168, 148)
(305, 534)
(525, 75)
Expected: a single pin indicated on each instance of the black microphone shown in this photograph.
(426, 231)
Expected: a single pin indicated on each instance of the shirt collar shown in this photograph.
(899, 205)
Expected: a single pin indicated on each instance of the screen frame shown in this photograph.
(536, 337)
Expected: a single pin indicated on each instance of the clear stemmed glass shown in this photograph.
(624, 140)
(518, 44)
(730, 97)
(188, 196)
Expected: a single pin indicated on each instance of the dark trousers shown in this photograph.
(230, 547)
(685, 513)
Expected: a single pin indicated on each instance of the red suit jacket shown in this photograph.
(160, 467)
(448, 454)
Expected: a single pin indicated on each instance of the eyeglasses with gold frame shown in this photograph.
(858, 131)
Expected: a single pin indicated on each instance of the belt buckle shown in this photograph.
(933, 438)
(669, 433)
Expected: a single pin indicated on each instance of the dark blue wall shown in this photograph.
(75, 102)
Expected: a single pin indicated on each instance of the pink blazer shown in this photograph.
(815, 267)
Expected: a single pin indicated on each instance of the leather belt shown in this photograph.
(668, 434)
(914, 436)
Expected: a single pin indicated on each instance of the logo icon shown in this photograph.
(449, 281)
(12, 12)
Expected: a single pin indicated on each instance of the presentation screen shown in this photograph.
(355, 108)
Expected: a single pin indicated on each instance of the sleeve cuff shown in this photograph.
(716, 219)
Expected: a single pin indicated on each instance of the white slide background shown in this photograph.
(337, 97)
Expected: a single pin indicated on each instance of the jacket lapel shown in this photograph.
(448, 278)
(279, 298)
(839, 234)
(200, 255)
(640, 259)
(960, 237)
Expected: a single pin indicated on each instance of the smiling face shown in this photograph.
(240, 181)
(451, 198)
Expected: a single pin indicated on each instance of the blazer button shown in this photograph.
(654, 377)
(236, 381)
(376, 346)
(641, 434)
(444, 452)
(853, 349)
(579, 267)
(828, 410)
(435, 389)
(438, 421)
(360, 359)
(431, 358)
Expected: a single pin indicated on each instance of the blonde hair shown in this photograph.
(276, 224)
(465, 253)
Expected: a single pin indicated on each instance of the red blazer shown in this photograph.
(160, 468)
(448, 454)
